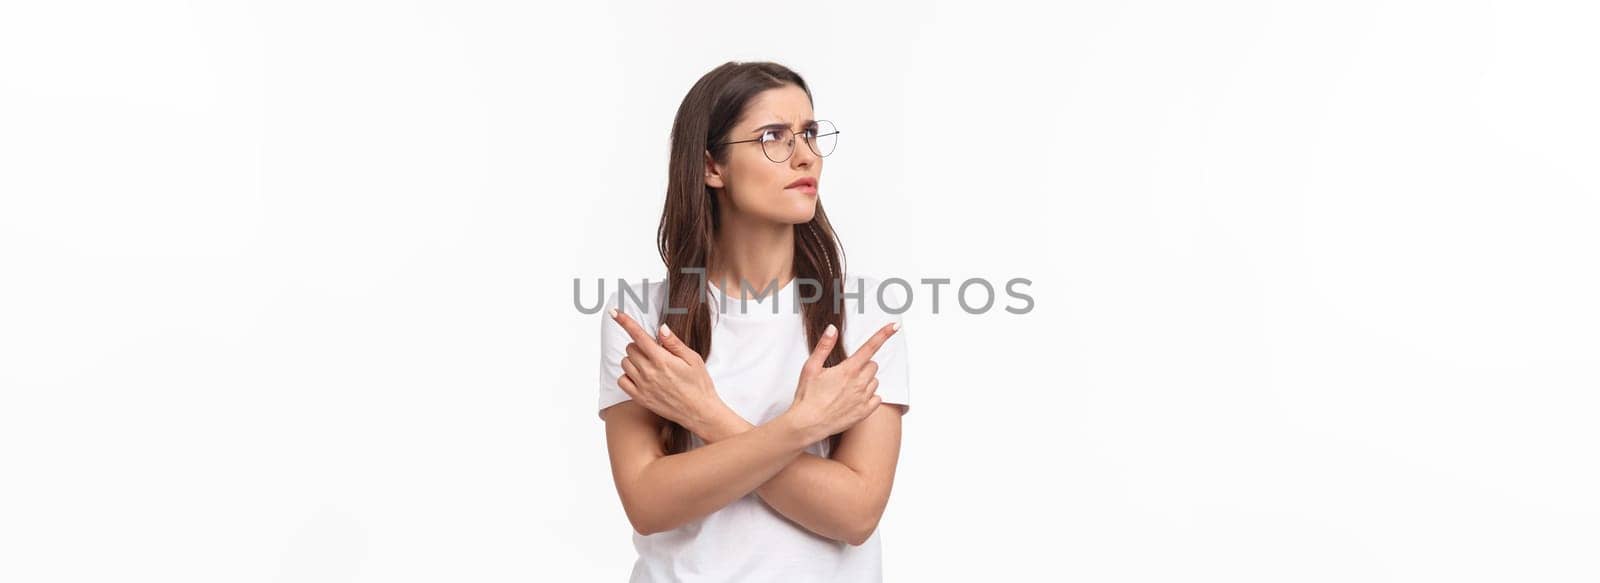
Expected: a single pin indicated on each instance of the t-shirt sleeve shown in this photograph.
(613, 346)
(894, 383)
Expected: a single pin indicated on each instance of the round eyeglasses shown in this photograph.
(777, 141)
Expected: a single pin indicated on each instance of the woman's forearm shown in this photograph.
(675, 489)
(823, 495)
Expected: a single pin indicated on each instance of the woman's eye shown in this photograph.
(769, 135)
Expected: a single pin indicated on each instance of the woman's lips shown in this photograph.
(807, 185)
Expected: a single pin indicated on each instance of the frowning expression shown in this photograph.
(749, 181)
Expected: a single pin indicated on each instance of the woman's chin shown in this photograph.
(794, 214)
(804, 215)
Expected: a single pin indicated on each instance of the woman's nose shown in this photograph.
(803, 156)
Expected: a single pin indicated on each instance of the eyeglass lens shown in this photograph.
(822, 141)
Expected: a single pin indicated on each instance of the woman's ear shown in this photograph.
(713, 174)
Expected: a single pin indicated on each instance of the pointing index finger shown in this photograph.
(640, 337)
(871, 346)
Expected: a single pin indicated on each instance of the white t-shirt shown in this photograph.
(755, 363)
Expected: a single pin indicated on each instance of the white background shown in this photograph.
(285, 287)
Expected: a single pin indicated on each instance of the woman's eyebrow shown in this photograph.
(782, 126)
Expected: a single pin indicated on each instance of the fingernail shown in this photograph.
(828, 332)
(613, 313)
(896, 326)
(665, 331)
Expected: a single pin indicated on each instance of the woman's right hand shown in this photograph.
(831, 399)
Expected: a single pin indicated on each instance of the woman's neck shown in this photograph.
(761, 253)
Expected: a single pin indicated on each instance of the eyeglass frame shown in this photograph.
(810, 142)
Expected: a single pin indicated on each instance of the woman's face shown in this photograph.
(754, 185)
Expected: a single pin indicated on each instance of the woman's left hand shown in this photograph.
(667, 377)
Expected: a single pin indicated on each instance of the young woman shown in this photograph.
(771, 457)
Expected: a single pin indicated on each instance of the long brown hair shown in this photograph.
(689, 219)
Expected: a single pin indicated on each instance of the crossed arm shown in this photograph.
(842, 498)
